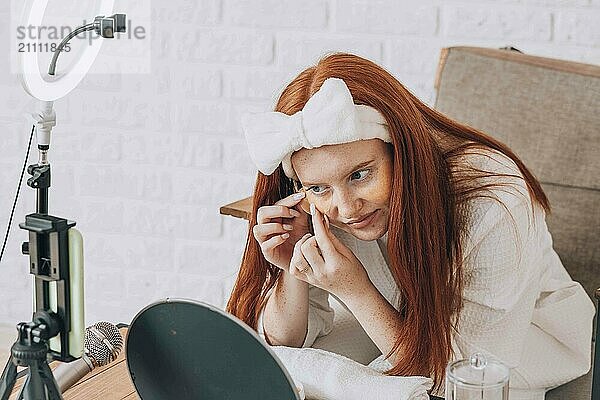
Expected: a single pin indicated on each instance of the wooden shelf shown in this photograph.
(239, 209)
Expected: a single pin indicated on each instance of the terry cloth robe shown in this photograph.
(521, 307)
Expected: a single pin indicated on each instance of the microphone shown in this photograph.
(103, 343)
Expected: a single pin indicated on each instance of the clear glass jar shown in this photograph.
(477, 379)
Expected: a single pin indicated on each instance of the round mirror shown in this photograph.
(184, 349)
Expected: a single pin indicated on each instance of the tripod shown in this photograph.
(31, 350)
(48, 250)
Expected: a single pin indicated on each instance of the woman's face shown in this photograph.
(350, 183)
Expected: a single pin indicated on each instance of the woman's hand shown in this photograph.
(323, 261)
(278, 229)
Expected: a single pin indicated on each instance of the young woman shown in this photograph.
(430, 233)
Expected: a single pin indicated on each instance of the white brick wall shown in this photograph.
(143, 162)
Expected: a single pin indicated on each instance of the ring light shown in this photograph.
(32, 80)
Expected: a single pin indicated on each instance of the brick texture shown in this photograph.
(143, 161)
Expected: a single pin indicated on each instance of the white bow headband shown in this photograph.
(328, 117)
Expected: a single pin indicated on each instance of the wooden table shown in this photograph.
(111, 382)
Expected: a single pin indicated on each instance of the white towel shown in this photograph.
(330, 376)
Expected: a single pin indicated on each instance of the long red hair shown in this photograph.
(426, 224)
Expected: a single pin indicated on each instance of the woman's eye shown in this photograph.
(318, 190)
(360, 175)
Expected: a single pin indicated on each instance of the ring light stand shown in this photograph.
(55, 248)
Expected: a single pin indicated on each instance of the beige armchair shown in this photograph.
(547, 111)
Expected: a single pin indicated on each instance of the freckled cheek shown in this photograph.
(378, 192)
(322, 203)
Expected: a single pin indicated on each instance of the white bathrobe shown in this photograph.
(520, 305)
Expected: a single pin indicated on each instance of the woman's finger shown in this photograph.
(339, 246)
(263, 231)
(268, 245)
(298, 264)
(310, 252)
(323, 240)
(266, 213)
(291, 200)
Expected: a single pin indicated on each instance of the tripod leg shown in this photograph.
(22, 391)
(50, 382)
(34, 385)
(9, 376)
(40, 383)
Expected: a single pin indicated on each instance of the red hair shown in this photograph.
(424, 248)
